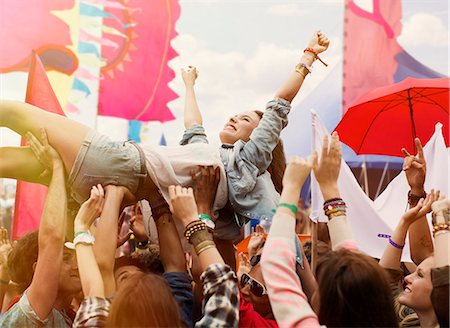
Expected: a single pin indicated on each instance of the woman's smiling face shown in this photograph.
(239, 127)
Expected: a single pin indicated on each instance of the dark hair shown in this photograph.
(21, 259)
(144, 300)
(354, 291)
(278, 164)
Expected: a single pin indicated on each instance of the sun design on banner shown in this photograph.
(128, 42)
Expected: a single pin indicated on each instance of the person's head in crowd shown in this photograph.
(22, 262)
(22, 259)
(69, 278)
(147, 262)
(240, 127)
(144, 300)
(253, 289)
(353, 291)
(418, 288)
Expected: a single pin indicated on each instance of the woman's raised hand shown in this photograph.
(189, 75)
(319, 42)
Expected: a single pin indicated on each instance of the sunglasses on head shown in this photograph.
(256, 288)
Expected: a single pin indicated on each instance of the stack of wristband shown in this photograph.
(334, 207)
(198, 234)
(193, 227)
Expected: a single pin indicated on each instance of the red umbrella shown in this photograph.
(386, 119)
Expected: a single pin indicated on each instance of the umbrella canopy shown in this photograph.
(386, 119)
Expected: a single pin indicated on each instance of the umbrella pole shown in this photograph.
(411, 115)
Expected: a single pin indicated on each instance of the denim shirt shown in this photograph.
(250, 188)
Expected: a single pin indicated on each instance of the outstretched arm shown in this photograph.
(278, 259)
(192, 113)
(327, 172)
(106, 236)
(392, 255)
(43, 290)
(415, 167)
(318, 43)
(90, 276)
(219, 281)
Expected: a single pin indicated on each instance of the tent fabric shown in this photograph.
(368, 218)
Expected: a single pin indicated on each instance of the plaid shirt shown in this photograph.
(221, 304)
(93, 312)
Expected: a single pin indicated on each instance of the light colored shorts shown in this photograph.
(105, 162)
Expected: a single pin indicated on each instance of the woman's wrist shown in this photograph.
(78, 227)
(330, 191)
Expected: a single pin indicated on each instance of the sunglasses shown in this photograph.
(256, 288)
(254, 260)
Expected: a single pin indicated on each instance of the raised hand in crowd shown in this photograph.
(256, 240)
(205, 181)
(327, 170)
(219, 281)
(137, 224)
(392, 255)
(244, 265)
(190, 75)
(192, 113)
(5, 248)
(415, 168)
(45, 293)
(90, 210)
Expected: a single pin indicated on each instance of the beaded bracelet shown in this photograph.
(336, 214)
(440, 227)
(194, 227)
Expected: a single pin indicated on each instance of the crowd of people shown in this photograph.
(186, 271)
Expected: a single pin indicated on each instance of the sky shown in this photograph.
(244, 49)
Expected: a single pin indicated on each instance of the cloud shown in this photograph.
(424, 30)
(232, 82)
(290, 10)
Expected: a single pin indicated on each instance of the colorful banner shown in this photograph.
(136, 76)
(24, 27)
(30, 197)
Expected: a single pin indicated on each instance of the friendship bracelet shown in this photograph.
(203, 245)
(414, 199)
(312, 51)
(292, 207)
(395, 244)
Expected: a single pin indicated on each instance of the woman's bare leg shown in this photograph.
(65, 135)
(21, 164)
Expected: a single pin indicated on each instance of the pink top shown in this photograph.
(290, 305)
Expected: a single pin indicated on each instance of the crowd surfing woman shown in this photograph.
(91, 158)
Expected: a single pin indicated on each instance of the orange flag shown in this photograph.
(30, 197)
